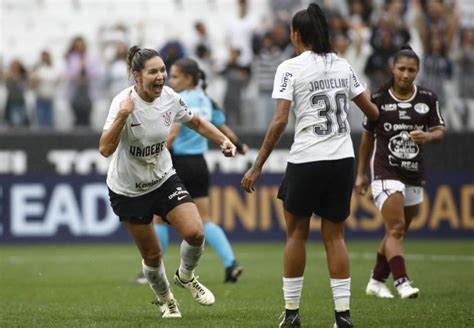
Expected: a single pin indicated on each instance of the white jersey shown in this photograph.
(141, 163)
(319, 88)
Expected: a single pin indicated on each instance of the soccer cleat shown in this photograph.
(407, 291)
(378, 289)
(233, 272)
(168, 309)
(290, 320)
(139, 279)
(343, 320)
(200, 293)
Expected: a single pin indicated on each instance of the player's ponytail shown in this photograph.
(202, 76)
(191, 67)
(313, 28)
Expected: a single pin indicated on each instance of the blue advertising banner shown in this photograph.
(75, 208)
(57, 209)
(447, 210)
(52, 189)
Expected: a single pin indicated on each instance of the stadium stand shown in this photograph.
(30, 26)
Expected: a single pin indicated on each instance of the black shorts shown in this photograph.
(323, 188)
(140, 210)
(193, 171)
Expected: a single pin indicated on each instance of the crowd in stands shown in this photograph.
(366, 32)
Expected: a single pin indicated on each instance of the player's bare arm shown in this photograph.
(363, 102)
(365, 149)
(110, 138)
(212, 133)
(421, 137)
(242, 148)
(174, 131)
(274, 132)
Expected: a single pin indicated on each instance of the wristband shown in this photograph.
(239, 146)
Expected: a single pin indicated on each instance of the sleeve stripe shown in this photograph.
(440, 118)
(436, 126)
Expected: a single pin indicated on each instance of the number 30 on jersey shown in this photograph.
(332, 109)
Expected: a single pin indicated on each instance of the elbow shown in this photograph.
(436, 134)
(374, 115)
(104, 151)
(281, 123)
(439, 137)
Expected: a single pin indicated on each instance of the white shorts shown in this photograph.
(381, 189)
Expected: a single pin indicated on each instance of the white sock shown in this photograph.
(190, 256)
(341, 293)
(157, 280)
(292, 288)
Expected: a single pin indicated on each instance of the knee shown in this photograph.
(333, 237)
(396, 231)
(332, 234)
(152, 258)
(296, 236)
(194, 237)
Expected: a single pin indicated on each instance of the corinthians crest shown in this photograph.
(167, 117)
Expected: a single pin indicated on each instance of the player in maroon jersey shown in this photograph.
(409, 118)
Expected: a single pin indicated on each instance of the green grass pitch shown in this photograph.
(87, 286)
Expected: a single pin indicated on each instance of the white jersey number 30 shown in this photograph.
(332, 113)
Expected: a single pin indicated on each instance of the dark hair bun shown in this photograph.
(406, 47)
(313, 8)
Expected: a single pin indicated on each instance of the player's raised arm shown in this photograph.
(212, 133)
(110, 137)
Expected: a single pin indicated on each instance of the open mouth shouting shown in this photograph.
(158, 87)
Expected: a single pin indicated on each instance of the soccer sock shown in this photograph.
(161, 231)
(399, 272)
(381, 269)
(157, 280)
(341, 293)
(216, 237)
(190, 256)
(292, 288)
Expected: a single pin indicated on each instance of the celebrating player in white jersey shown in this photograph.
(141, 178)
(317, 85)
(188, 148)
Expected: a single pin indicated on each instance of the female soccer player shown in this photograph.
(141, 178)
(318, 85)
(187, 151)
(409, 118)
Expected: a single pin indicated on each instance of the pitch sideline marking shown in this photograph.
(122, 257)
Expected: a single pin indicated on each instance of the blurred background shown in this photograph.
(62, 61)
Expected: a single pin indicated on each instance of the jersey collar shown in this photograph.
(404, 100)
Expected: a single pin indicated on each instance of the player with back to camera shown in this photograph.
(409, 118)
(141, 178)
(187, 152)
(317, 85)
